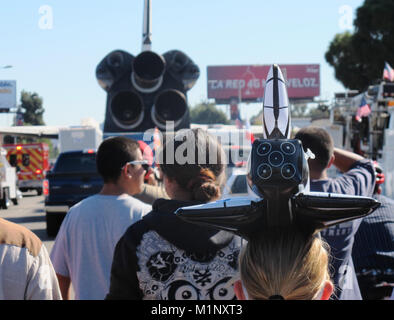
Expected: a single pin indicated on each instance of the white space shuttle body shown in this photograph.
(276, 112)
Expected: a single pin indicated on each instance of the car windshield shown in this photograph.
(76, 162)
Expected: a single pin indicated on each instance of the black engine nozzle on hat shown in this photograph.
(279, 170)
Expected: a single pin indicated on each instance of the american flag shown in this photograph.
(363, 110)
(388, 72)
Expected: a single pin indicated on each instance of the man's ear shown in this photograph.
(331, 161)
(327, 291)
(126, 172)
(238, 290)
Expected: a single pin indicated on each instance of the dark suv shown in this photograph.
(73, 178)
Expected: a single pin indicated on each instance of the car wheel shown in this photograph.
(54, 221)
(5, 202)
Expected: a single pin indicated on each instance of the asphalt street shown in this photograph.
(30, 213)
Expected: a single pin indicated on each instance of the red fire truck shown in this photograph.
(31, 162)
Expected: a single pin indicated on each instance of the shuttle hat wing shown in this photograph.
(312, 211)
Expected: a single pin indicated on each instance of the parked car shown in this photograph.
(236, 185)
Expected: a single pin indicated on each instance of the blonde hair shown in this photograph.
(284, 262)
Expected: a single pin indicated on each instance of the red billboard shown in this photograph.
(247, 82)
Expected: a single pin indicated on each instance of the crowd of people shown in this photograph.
(127, 243)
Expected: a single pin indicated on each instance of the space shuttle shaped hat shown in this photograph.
(279, 176)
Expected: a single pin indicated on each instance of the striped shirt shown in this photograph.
(373, 246)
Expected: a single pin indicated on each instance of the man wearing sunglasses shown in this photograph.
(83, 249)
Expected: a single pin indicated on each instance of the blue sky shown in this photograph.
(59, 63)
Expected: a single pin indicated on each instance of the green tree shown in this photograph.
(319, 112)
(298, 110)
(257, 120)
(207, 113)
(32, 109)
(342, 56)
(358, 58)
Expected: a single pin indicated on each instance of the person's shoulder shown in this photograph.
(136, 231)
(138, 204)
(91, 199)
(19, 236)
(366, 164)
(84, 204)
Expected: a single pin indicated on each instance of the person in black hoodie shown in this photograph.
(162, 257)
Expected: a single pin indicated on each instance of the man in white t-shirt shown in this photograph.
(83, 250)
